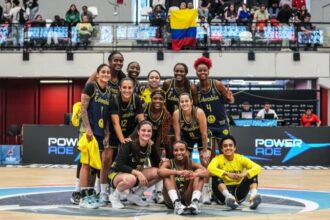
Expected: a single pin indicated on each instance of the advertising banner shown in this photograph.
(10, 154)
(50, 144)
(287, 146)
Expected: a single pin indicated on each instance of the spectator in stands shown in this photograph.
(260, 19)
(33, 8)
(158, 2)
(72, 16)
(203, 8)
(246, 111)
(309, 119)
(284, 17)
(308, 28)
(266, 111)
(39, 23)
(87, 13)
(17, 27)
(203, 23)
(85, 30)
(6, 9)
(57, 27)
(183, 5)
(231, 15)
(158, 18)
(244, 16)
(301, 13)
(190, 5)
(273, 7)
(217, 8)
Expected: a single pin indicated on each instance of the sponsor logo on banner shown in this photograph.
(61, 145)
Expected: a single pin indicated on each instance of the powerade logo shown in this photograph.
(273, 147)
(61, 146)
(265, 149)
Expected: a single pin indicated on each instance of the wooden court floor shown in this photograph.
(318, 180)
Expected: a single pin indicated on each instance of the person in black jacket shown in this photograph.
(128, 169)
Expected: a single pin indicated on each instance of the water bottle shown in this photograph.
(195, 155)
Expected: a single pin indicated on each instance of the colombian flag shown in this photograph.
(184, 28)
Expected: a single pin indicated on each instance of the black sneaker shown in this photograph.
(75, 198)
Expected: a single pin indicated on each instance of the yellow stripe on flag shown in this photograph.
(183, 19)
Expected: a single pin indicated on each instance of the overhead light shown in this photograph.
(46, 81)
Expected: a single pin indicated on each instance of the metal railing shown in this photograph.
(132, 36)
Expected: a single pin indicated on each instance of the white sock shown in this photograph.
(97, 187)
(253, 192)
(104, 188)
(196, 195)
(77, 185)
(116, 193)
(226, 193)
(173, 195)
(159, 186)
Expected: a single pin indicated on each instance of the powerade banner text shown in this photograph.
(284, 145)
(50, 144)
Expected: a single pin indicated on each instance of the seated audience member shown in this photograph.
(231, 14)
(87, 13)
(234, 176)
(38, 23)
(203, 8)
(273, 7)
(307, 28)
(301, 13)
(190, 5)
(244, 15)
(85, 30)
(72, 16)
(260, 19)
(246, 111)
(158, 18)
(217, 8)
(183, 5)
(56, 30)
(309, 119)
(266, 111)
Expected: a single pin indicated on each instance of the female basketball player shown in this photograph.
(183, 180)
(212, 96)
(128, 169)
(153, 84)
(234, 176)
(95, 116)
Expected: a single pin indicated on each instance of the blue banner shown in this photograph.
(10, 154)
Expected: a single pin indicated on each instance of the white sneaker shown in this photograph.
(231, 202)
(137, 200)
(115, 202)
(255, 201)
(88, 203)
(194, 207)
(103, 199)
(206, 198)
(179, 208)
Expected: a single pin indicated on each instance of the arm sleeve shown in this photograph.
(89, 89)
(122, 159)
(214, 169)
(253, 168)
(155, 156)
